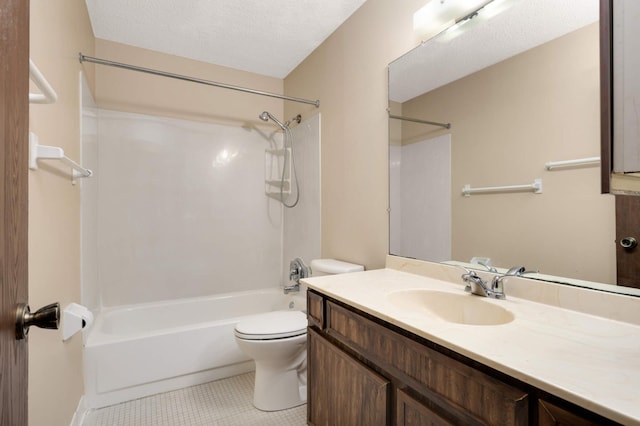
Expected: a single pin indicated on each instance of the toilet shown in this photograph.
(277, 342)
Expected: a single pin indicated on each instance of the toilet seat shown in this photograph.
(272, 325)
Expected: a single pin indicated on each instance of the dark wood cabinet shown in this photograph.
(457, 391)
(345, 391)
(364, 371)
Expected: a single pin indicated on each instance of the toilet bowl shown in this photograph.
(277, 342)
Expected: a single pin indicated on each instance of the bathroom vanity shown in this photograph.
(379, 353)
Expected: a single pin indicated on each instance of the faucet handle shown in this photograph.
(298, 270)
(470, 277)
(467, 272)
(497, 285)
(488, 266)
(516, 270)
(466, 277)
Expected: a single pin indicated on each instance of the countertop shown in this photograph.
(589, 360)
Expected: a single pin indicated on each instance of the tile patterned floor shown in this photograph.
(224, 402)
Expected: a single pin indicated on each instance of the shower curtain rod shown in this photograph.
(84, 58)
(417, 120)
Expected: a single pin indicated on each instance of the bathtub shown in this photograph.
(140, 350)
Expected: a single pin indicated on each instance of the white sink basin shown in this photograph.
(462, 308)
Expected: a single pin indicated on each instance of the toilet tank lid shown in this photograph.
(333, 266)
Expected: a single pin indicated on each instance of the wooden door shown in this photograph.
(14, 129)
(628, 227)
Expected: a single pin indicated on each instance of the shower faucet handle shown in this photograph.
(298, 269)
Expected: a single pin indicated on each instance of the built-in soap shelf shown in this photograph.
(274, 162)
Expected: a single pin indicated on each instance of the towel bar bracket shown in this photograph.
(44, 152)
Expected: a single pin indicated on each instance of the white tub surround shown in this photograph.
(139, 350)
(589, 360)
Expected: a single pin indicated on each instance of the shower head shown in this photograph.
(265, 116)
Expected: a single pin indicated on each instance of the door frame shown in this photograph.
(14, 134)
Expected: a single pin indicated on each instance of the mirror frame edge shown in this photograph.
(606, 110)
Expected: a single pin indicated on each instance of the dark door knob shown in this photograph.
(628, 243)
(45, 317)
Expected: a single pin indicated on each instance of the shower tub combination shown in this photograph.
(139, 350)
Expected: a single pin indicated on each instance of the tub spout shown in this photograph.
(290, 288)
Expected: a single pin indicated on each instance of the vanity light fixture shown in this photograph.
(454, 16)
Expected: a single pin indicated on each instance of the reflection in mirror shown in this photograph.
(626, 97)
(520, 90)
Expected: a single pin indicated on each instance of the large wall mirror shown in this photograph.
(515, 179)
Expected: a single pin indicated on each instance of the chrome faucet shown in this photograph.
(516, 271)
(297, 270)
(476, 285)
(496, 282)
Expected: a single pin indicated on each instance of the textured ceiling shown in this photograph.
(526, 24)
(268, 37)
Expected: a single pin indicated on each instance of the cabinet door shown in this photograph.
(410, 412)
(342, 391)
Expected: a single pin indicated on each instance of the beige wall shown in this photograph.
(131, 91)
(348, 73)
(59, 30)
(552, 114)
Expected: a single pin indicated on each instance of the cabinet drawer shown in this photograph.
(456, 387)
(315, 310)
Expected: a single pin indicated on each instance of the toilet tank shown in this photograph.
(332, 266)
